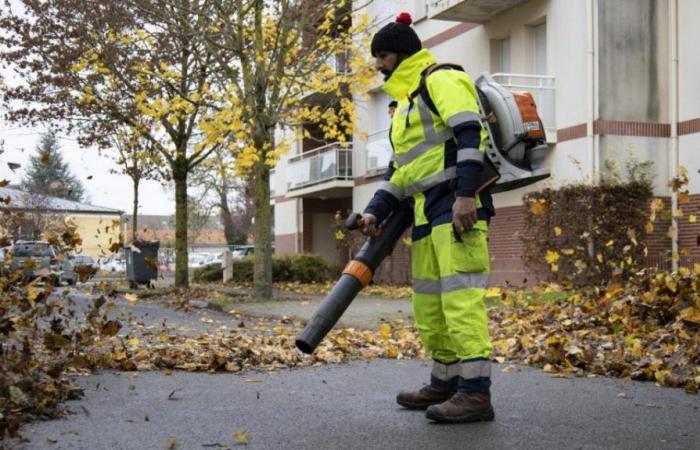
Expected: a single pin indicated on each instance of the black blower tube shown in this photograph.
(372, 253)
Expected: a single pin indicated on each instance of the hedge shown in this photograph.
(583, 234)
(301, 268)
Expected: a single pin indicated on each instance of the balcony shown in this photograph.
(378, 151)
(324, 172)
(542, 89)
(477, 11)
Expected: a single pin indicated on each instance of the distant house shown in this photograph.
(98, 226)
(162, 228)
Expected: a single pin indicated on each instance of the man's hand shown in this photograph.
(369, 224)
(463, 213)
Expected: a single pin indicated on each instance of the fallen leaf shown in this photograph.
(171, 443)
(241, 437)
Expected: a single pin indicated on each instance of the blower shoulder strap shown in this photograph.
(422, 89)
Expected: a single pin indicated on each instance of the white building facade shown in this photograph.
(611, 78)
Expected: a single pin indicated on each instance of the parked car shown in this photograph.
(195, 260)
(39, 259)
(242, 251)
(113, 264)
(68, 274)
(84, 260)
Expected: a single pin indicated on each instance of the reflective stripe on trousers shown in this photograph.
(465, 369)
(450, 283)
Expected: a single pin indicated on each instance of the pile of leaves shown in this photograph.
(647, 329)
(373, 290)
(255, 344)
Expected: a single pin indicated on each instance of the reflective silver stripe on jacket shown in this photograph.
(393, 189)
(450, 283)
(462, 117)
(475, 369)
(432, 139)
(445, 372)
(463, 281)
(470, 154)
(427, 183)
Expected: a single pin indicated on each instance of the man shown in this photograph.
(438, 161)
(392, 108)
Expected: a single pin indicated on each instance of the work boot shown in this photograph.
(463, 407)
(427, 396)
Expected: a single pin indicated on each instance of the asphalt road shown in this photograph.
(352, 407)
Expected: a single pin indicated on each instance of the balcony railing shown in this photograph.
(327, 163)
(542, 89)
(378, 151)
(479, 11)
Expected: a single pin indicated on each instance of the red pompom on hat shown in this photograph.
(397, 37)
(404, 17)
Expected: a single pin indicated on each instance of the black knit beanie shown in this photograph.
(397, 37)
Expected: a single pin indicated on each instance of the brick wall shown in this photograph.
(689, 233)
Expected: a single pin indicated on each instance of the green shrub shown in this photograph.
(308, 269)
(242, 269)
(301, 268)
(210, 272)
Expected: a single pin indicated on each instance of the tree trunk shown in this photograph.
(179, 169)
(134, 218)
(227, 220)
(262, 280)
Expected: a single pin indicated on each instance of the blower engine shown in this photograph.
(516, 139)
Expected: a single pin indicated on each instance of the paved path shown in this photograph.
(352, 407)
(363, 312)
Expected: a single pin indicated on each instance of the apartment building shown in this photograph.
(611, 78)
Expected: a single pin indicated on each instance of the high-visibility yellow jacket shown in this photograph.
(435, 156)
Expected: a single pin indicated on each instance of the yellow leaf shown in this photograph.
(557, 231)
(493, 292)
(551, 256)
(241, 437)
(131, 298)
(134, 342)
(599, 257)
(385, 331)
(568, 251)
(649, 227)
(660, 376)
(691, 314)
(609, 243)
(171, 443)
(692, 218)
(555, 267)
(538, 208)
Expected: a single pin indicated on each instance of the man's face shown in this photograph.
(386, 62)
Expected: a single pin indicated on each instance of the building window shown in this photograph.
(539, 49)
(500, 55)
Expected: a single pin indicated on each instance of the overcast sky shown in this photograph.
(104, 189)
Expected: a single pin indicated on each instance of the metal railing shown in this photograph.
(542, 89)
(378, 151)
(330, 162)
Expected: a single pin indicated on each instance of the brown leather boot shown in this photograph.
(463, 407)
(427, 396)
